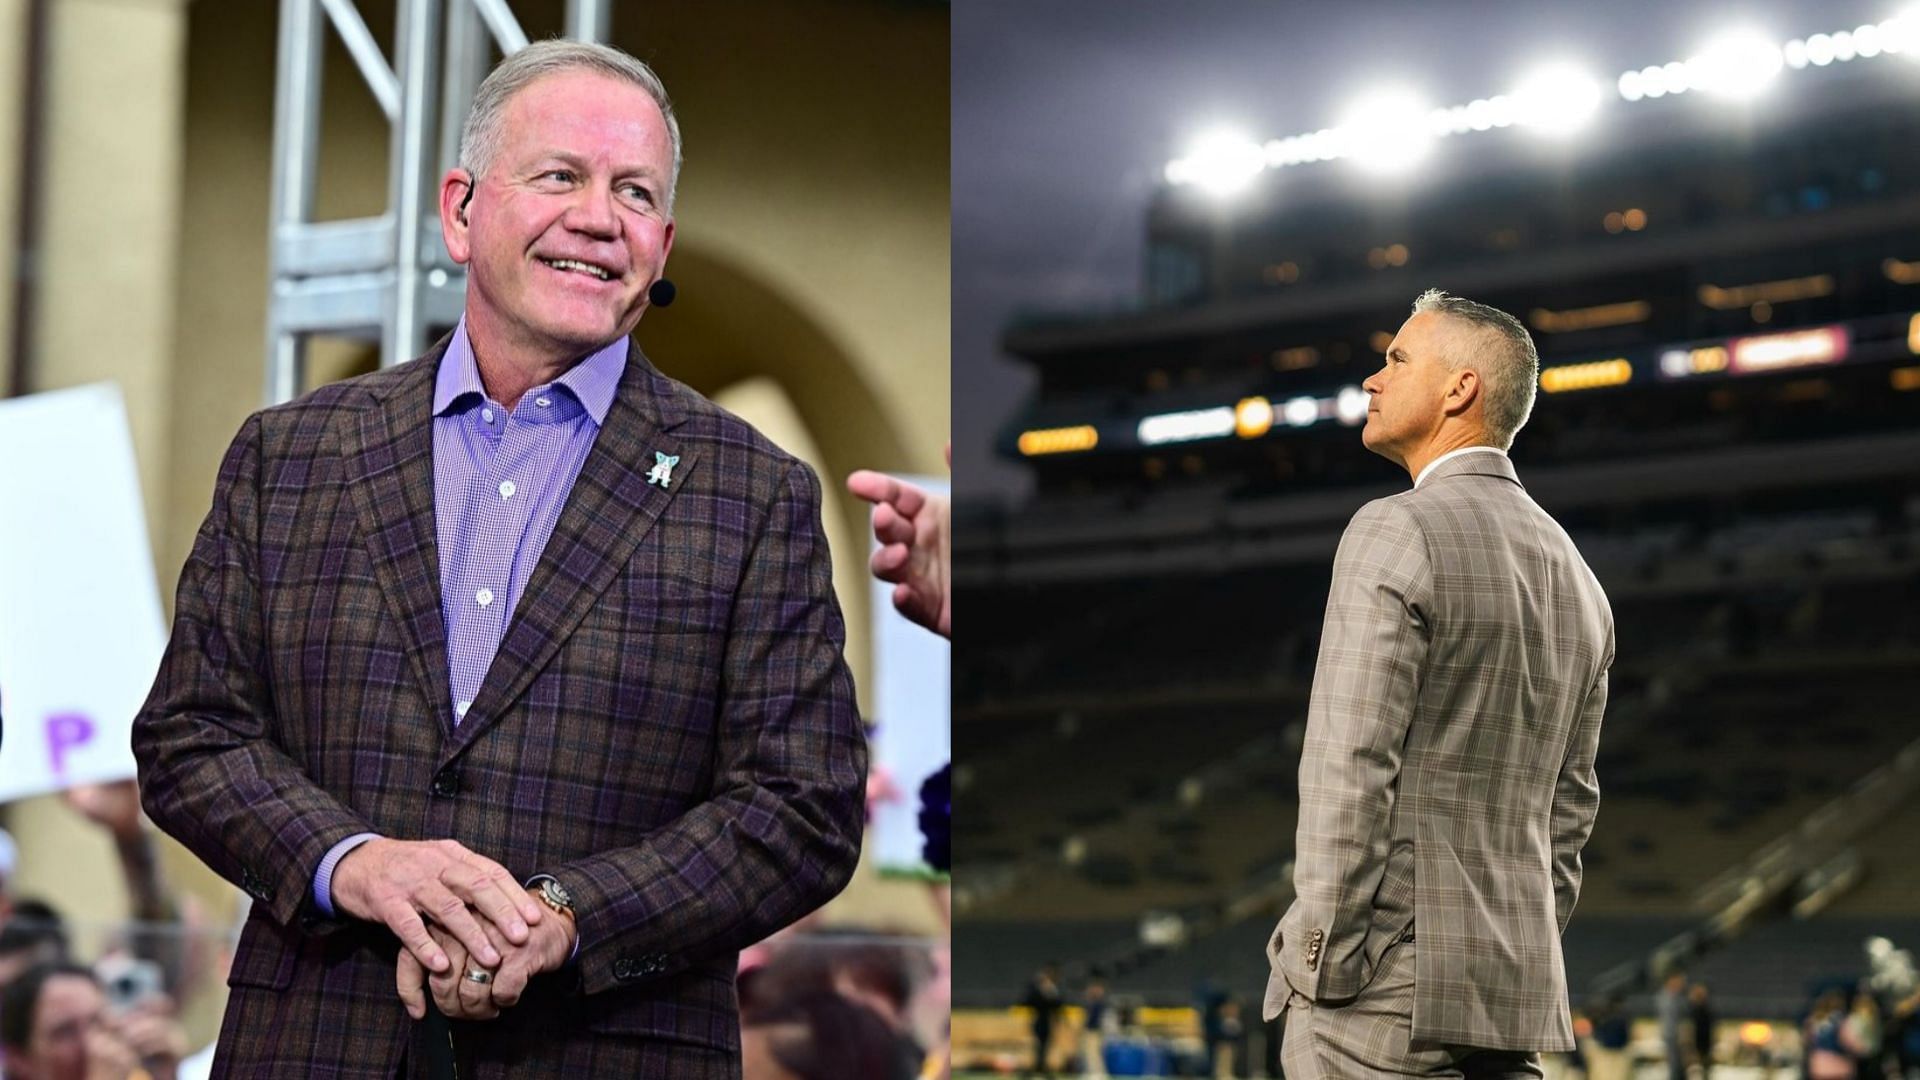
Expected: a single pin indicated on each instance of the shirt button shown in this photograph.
(461, 708)
(507, 489)
(543, 402)
(484, 597)
(487, 415)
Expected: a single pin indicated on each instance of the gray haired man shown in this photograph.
(1447, 781)
(510, 680)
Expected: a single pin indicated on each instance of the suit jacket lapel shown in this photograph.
(389, 465)
(610, 510)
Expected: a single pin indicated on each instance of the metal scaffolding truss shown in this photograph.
(384, 278)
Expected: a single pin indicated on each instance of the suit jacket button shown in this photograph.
(254, 884)
(446, 783)
(623, 968)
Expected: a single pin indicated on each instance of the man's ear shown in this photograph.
(456, 194)
(1463, 387)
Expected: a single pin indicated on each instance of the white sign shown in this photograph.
(80, 624)
(912, 674)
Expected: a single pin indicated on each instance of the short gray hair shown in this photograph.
(480, 137)
(1508, 365)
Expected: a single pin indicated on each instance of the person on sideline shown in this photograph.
(1447, 781)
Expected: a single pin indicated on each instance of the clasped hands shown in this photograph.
(481, 920)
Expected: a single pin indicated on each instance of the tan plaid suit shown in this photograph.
(1446, 784)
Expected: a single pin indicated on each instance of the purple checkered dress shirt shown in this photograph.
(500, 479)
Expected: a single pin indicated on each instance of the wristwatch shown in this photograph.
(553, 894)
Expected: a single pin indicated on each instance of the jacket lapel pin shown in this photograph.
(662, 471)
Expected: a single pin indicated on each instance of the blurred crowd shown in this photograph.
(1853, 1034)
(1867, 1029)
(839, 1005)
(1110, 1037)
(118, 1017)
(843, 1006)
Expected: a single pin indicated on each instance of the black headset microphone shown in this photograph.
(659, 294)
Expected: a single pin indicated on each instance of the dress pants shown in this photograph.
(1372, 1036)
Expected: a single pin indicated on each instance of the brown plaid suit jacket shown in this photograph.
(1447, 782)
(669, 726)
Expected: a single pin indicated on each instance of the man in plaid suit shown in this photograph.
(512, 676)
(1447, 782)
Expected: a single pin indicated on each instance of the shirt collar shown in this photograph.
(593, 381)
(1449, 455)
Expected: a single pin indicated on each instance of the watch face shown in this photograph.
(557, 892)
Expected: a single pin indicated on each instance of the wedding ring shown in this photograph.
(479, 975)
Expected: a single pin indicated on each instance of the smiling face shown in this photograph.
(569, 226)
(1410, 393)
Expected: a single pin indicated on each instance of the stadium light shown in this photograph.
(1253, 417)
(1187, 426)
(1791, 349)
(1588, 376)
(1302, 411)
(1387, 132)
(1222, 163)
(1390, 131)
(1901, 34)
(1352, 404)
(1066, 440)
(1556, 100)
(1738, 65)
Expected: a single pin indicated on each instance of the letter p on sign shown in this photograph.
(66, 732)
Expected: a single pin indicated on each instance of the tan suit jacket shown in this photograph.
(1447, 781)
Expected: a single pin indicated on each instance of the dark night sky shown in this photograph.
(1064, 114)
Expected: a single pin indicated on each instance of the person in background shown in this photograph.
(1043, 999)
(1612, 1031)
(1700, 1017)
(1863, 1036)
(1671, 1004)
(915, 530)
(35, 934)
(877, 974)
(9, 855)
(56, 1024)
(818, 1037)
(1229, 1033)
(1827, 1056)
(1906, 1033)
(1098, 1017)
(155, 934)
(1211, 1002)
